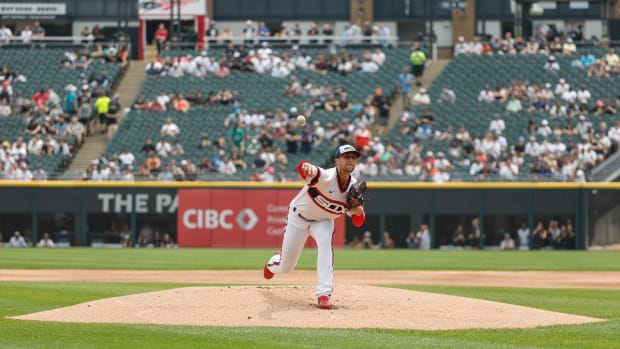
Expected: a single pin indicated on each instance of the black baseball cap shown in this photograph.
(346, 149)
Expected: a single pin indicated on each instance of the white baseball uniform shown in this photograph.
(312, 213)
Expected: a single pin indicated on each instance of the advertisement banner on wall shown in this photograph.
(236, 218)
(157, 9)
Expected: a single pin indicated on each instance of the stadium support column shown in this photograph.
(200, 31)
(463, 19)
(361, 11)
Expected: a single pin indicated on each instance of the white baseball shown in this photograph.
(301, 120)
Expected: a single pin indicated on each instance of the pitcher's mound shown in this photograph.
(290, 306)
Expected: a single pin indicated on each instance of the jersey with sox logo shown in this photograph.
(322, 197)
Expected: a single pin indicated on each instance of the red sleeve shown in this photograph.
(314, 180)
(358, 220)
(301, 174)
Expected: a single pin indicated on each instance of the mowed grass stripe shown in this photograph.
(237, 259)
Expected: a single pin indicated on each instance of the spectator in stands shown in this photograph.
(5, 108)
(163, 147)
(552, 64)
(421, 98)
(418, 63)
(17, 240)
(507, 243)
(447, 95)
(153, 164)
(405, 80)
(423, 237)
(169, 128)
(102, 105)
(458, 237)
(514, 104)
(544, 130)
(76, 129)
(26, 35)
(127, 175)
(37, 30)
(46, 241)
(161, 37)
(5, 35)
(461, 47)
(540, 238)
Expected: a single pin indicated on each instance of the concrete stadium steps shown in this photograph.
(94, 145)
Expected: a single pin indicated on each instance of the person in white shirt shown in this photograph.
(497, 125)
(569, 96)
(127, 159)
(163, 148)
(486, 95)
(98, 174)
(378, 56)
(561, 87)
(5, 34)
(532, 148)
(421, 98)
(507, 243)
(22, 173)
(508, 170)
(17, 240)
(583, 95)
(163, 99)
(369, 66)
(169, 128)
(26, 35)
(552, 65)
(46, 241)
(461, 47)
(544, 129)
(424, 238)
(524, 237)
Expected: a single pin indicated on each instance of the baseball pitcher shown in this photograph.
(327, 194)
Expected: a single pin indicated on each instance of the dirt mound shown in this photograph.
(295, 306)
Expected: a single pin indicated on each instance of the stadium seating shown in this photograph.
(41, 68)
(257, 92)
(468, 75)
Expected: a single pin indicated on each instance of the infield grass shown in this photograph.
(27, 297)
(236, 259)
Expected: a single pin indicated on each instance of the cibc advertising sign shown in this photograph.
(237, 218)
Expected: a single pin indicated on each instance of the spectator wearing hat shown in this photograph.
(544, 130)
(552, 65)
(421, 98)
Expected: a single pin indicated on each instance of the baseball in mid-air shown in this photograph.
(301, 120)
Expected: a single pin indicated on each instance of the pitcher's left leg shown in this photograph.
(322, 232)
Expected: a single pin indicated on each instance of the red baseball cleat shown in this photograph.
(324, 302)
(274, 260)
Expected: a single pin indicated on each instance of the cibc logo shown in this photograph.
(246, 219)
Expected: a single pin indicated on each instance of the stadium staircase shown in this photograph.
(94, 145)
(432, 71)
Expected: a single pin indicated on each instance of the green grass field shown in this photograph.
(26, 297)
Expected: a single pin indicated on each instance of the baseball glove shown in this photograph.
(357, 194)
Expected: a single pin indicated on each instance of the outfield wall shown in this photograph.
(246, 214)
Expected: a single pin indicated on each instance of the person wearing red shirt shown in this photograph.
(362, 137)
(161, 36)
(40, 98)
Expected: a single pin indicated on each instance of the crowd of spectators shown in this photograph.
(55, 122)
(264, 60)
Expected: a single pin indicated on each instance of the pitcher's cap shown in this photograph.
(346, 149)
